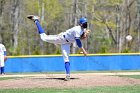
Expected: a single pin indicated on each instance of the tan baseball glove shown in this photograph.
(85, 34)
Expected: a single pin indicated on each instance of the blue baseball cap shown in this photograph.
(83, 20)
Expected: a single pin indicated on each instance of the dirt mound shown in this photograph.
(57, 81)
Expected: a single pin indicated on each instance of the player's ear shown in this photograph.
(81, 25)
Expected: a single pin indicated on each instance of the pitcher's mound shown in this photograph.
(57, 81)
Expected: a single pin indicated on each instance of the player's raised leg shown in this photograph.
(36, 20)
(55, 39)
(39, 27)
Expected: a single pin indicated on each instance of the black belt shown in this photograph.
(65, 38)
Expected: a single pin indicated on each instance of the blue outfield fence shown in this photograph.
(46, 63)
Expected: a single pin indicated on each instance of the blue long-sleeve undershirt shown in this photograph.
(4, 53)
(78, 42)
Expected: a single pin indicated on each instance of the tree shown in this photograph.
(138, 23)
(2, 2)
(15, 16)
(109, 20)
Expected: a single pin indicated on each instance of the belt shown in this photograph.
(65, 38)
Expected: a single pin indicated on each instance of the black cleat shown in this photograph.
(32, 17)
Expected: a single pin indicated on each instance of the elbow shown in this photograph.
(80, 46)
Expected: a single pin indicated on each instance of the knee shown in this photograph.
(43, 39)
(66, 60)
(43, 36)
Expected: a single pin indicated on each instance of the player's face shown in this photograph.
(84, 25)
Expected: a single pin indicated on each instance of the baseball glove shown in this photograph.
(85, 34)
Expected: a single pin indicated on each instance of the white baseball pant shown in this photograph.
(1, 60)
(58, 39)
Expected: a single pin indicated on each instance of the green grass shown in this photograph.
(131, 76)
(63, 72)
(7, 78)
(125, 89)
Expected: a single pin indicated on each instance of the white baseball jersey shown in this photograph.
(2, 49)
(65, 39)
(70, 34)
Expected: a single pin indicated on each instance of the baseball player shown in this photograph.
(3, 58)
(65, 39)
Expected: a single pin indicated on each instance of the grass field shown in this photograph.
(125, 89)
(131, 76)
(7, 78)
(111, 71)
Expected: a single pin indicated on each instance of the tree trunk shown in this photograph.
(75, 23)
(138, 24)
(42, 19)
(15, 22)
(41, 13)
(1, 17)
(118, 30)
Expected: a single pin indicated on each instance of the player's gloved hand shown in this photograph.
(85, 34)
(5, 58)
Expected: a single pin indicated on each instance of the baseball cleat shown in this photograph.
(2, 74)
(32, 17)
(67, 78)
